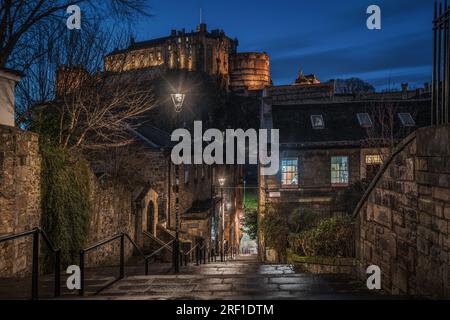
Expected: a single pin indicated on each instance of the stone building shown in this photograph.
(202, 209)
(327, 143)
(198, 50)
(211, 52)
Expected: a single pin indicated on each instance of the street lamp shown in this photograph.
(222, 238)
(178, 100)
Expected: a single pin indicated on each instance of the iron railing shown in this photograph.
(122, 236)
(441, 64)
(35, 233)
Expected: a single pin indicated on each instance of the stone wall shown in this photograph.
(403, 226)
(20, 205)
(250, 71)
(20, 196)
(111, 214)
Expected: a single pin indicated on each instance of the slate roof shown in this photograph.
(342, 127)
(153, 137)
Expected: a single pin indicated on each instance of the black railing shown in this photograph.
(441, 64)
(35, 233)
(122, 236)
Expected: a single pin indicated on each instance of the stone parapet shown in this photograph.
(403, 226)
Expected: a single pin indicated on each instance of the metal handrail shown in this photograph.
(35, 259)
(122, 237)
(102, 242)
(397, 150)
(161, 248)
(152, 237)
(192, 249)
(17, 235)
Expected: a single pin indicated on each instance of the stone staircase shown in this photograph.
(241, 279)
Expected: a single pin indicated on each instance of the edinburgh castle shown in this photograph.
(210, 52)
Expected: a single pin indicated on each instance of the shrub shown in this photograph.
(280, 222)
(330, 238)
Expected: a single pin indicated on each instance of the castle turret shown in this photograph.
(250, 71)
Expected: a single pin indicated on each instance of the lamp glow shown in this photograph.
(178, 100)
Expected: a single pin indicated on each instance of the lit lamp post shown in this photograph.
(178, 100)
(222, 238)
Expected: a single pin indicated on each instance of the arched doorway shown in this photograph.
(151, 217)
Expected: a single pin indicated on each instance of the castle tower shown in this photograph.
(250, 71)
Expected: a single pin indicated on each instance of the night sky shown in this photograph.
(325, 37)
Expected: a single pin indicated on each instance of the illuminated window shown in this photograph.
(406, 119)
(339, 171)
(364, 120)
(374, 159)
(317, 122)
(289, 172)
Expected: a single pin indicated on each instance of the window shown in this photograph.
(374, 159)
(373, 165)
(406, 119)
(317, 122)
(364, 120)
(289, 172)
(186, 173)
(339, 171)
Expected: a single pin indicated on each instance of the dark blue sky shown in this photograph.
(326, 37)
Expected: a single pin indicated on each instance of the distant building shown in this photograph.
(211, 52)
(329, 142)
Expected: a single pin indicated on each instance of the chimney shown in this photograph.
(404, 90)
(8, 81)
(173, 32)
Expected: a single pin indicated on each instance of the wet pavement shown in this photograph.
(243, 278)
(240, 279)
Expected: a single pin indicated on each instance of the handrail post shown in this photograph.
(58, 273)
(35, 267)
(197, 253)
(81, 273)
(146, 266)
(122, 256)
(204, 255)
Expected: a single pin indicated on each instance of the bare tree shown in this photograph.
(384, 134)
(102, 110)
(18, 18)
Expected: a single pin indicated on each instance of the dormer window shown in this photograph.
(317, 122)
(364, 120)
(406, 119)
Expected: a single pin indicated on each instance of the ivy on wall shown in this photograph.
(65, 200)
